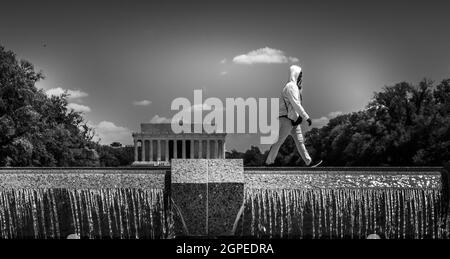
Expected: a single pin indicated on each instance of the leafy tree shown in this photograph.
(234, 154)
(253, 157)
(115, 156)
(36, 130)
(116, 144)
(403, 125)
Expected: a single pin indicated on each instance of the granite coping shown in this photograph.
(338, 179)
(105, 170)
(207, 171)
(357, 170)
(43, 178)
(225, 171)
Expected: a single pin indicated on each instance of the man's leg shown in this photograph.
(296, 133)
(283, 132)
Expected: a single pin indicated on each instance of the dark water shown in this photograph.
(342, 213)
(100, 213)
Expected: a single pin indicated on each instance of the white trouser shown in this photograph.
(287, 129)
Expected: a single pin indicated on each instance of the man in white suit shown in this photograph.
(291, 115)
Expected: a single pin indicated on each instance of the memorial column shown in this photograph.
(158, 152)
(216, 148)
(175, 151)
(208, 148)
(135, 150)
(150, 149)
(167, 150)
(223, 149)
(143, 150)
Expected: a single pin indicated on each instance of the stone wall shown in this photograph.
(219, 197)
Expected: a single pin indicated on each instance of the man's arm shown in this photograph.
(293, 96)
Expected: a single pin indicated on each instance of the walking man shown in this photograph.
(291, 115)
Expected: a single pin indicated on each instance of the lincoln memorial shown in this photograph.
(157, 144)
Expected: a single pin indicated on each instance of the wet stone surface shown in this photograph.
(224, 202)
(90, 203)
(324, 203)
(105, 214)
(190, 205)
(341, 213)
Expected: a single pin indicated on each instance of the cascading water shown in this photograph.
(341, 213)
(90, 213)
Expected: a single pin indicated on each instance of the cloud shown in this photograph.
(107, 132)
(223, 61)
(142, 103)
(73, 94)
(264, 55)
(158, 119)
(223, 73)
(332, 115)
(322, 121)
(78, 107)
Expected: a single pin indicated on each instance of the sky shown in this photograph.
(124, 62)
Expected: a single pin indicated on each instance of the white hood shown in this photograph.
(295, 72)
(291, 105)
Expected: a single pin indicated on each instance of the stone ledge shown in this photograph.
(82, 179)
(286, 179)
(207, 171)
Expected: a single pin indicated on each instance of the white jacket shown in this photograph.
(290, 100)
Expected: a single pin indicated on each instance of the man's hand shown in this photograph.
(309, 121)
(297, 122)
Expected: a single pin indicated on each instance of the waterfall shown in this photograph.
(89, 213)
(342, 213)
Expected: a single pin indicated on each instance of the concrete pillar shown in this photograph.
(175, 151)
(167, 150)
(183, 147)
(200, 150)
(208, 149)
(218, 188)
(159, 151)
(135, 150)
